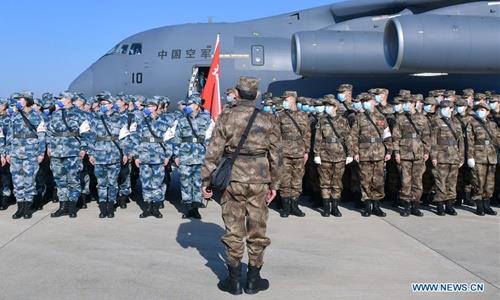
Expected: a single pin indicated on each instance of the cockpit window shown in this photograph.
(124, 49)
(113, 50)
(135, 49)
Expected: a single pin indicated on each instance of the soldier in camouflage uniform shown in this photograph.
(447, 154)
(344, 98)
(495, 117)
(483, 139)
(108, 149)
(311, 184)
(24, 151)
(255, 179)
(412, 144)
(428, 179)
(152, 153)
(332, 151)
(296, 137)
(5, 176)
(464, 180)
(372, 147)
(193, 132)
(68, 135)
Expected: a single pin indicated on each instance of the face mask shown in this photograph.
(445, 112)
(367, 106)
(493, 105)
(266, 109)
(378, 98)
(104, 109)
(60, 104)
(418, 106)
(397, 108)
(357, 106)
(116, 107)
(286, 105)
(320, 109)
(305, 108)
(274, 109)
(406, 107)
(481, 114)
(299, 106)
(19, 106)
(460, 110)
(229, 99)
(329, 110)
(46, 112)
(188, 110)
(341, 97)
(147, 112)
(427, 108)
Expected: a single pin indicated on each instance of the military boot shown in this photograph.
(376, 209)
(294, 208)
(335, 208)
(4, 202)
(440, 208)
(405, 212)
(72, 209)
(20, 211)
(196, 213)
(449, 208)
(122, 201)
(468, 199)
(232, 283)
(27, 210)
(147, 211)
(162, 205)
(327, 207)
(110, 207)
(285, 210)
(368, 208)
(83, 199)
(103, 210)
(415, 209)
(487, 208)
(155, 210)
(63, 210)
(460, 197)
(479, 208)
(426, 199)
(255, 283)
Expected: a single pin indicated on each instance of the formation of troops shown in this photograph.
(409, 149)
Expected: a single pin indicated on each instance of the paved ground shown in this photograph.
(310, 258)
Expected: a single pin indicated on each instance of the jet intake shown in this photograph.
(327, 52)
(437, 43)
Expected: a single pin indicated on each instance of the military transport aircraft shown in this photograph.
(415, 44)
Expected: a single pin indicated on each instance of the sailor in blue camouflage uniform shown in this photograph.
(152, 155)
(108, 149)
(68, 135)
(24, 151)
(5, 176)
(191, 138)
(170, 118)
(87, 177)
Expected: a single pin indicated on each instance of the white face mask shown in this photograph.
(329, 110)
(460, 110)
(445, 112)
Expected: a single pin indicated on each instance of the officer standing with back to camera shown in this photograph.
(255, 179)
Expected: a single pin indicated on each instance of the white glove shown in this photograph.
(317, 160)
(348, 160)
(471, 163)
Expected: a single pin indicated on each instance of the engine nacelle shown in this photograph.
(437, 43)
(327, 52)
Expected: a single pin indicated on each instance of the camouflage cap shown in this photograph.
(436, 93)
(330, 96)
(429, 101)
(397, 100)
(317, 102)
(151, 101)
(231, 91)
(79, 96)
(418, 97)
(330, 101)
(345, 87)
(66, 94)
(494, 98)
(407, 98)
(269, 102)
(468, 92)
(194, 99)
(4, 101)
(122, 96)
(481, 105)
(450, 93)
(24, 94)
(46, 96)
(489, 93)
(461, 102)
(365, 97)
(378, 91)
(480, 96)
(38, 101)
(104, 96)
(301, 99)
(404, 92)
(446, 103)
(91, 100)
(287, 94)
(248, 84)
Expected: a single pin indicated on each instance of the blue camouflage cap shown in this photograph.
(23, 94)
(4, 101)
(66, 95)
(194, 99)
(122, 96)
(152, 100)
(104, 96)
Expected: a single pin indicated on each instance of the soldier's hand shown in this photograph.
(356, 157)
(270, 196)
(92, 160)
(177, 161)
(387, 157)
(434, 162)
(207, 194)
(398, 158)
(8, 159)
(49, 153)
(82, 154)
(137, 162)
(306, 157)
(125, 159)
(317, 160)
(3, 161)
(40, 159)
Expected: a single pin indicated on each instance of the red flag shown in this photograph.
(211, 91)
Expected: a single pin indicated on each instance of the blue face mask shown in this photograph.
(341, 97)
(274, 109)
(229, 99)
(147, 112)
(460, 110)
(299, 106)
(329, 110)
(367, 106)
(357, 106)
(406, 107)
(188, 110)
(116, 107)
(60, 104)
(305, 108)
(286, 105)
(481, 114)
(104, 109)
(46, 112)
(320, 109)
(378, 98)
(19, 106)
(397, 108)
(266, 109)
(493, 105)
(428, 108)
(445, 112)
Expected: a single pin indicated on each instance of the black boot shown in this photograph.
(285, 210)
(63, 210)
(468, 199)
(440, 208)
(20, 211)
(479, 208)
(368, 208)
(376, 209)
(327, 207)
(487, 208)
(294, 208)
(55, 199)
(4, 202)
(196, 213)
(395, 200)
(405, 212)
(155, 210)
(335, 208)
(188, 211)
(162, 205)
(83, 199)
(415, 209)
(122, 201)
(232, 283)
(103, 210)
(255, 283)
(426, 199)
(449, 208)
(27, 210)
(147, 211)
(110, 208)
(72, 209)
(460, 197)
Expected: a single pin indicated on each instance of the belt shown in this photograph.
(291, 138)
(151, 140)
(483, 142)
(107, 138)
(66, 134)
(332, 141)
(193, 140)
(447, 142)
(371, 140)
(411, 136)
(25, 136)
(247, 155)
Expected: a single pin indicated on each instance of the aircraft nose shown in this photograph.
(83, 83)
